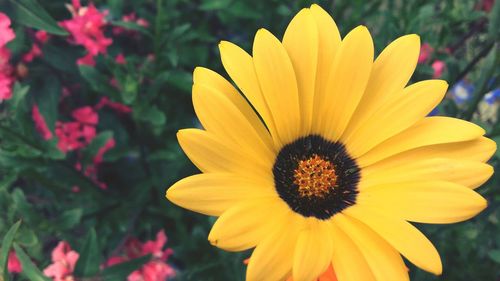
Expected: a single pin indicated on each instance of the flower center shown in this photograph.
(314, 176)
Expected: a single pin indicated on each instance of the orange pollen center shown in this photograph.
(315, 176)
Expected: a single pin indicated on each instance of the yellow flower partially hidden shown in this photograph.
(328, 156)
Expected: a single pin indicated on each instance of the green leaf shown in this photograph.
(151, 115)
(88, 263)
(210, 5)
(132, 26)
(6, 244)
(494, 255)
(47, 99)
(32, 14)
(130, 89)
(29, 269)
(97, 80)
(7, 181)
(18, 95)
(27, 238)
(494, 31)
(120, 271)
(69, 218)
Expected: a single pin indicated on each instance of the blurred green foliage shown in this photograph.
(36, 179)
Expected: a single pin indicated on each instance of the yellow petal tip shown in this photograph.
(413, 38)
(169, 194)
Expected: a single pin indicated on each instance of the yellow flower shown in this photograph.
(328, 155)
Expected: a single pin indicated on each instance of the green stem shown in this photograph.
(481, 90)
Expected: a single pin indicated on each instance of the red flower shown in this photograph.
(425, 52)
(40, 124)
(86, 115)
(118, 107)
(13, 264)
(120, 59)
(100, 154)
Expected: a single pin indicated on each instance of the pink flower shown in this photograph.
(33, 53)
(63, 263)
(116, 106)
(6, 77)
(13, 264)
(87, 29)
(114, 261)
(157, 268)
(88, 59)
(425, 52)
(42, 36)
(152, 271)
(6, 33)
(86, 115)
(438, 66)
(120, 59)
(5, 87)
(155, 247)
(40, 124)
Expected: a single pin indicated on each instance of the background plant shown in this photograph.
(139, 86)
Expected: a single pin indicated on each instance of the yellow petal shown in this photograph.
(348, 261)
(478, 150)
(429, 131)
(272, 258)
(239, 66)
(221, 117)
(212, 154)
(391, 72)
(301, 43)
(245, 224)
(212, 194)
(278, 83)
(403, 236)
(398, 114)
(467, 173)
(346, 84)
(385, 262)
(313, 252)
(329, 43)
(424, 201)
(211, 79)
